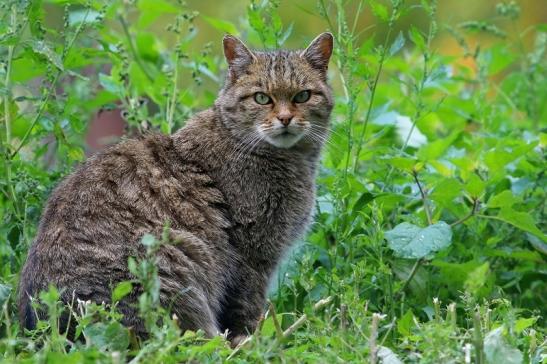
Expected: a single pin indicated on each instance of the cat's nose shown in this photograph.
(285, 119)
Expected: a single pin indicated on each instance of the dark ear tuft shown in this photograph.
(237, 55)
(319, 51)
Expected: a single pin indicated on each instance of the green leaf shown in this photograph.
(148, 240)
(476, 279)
(387, 356)
(498, 351)
(521, 220)
(436, 149)
(110, 84)
(475, 186)
(380, 11)
(537, 243)
(112, 337)
(524, 323)
(416, 37)
(503, 199)
(4, 294)
(405, 324)
(222, 25)
(365, 198)
(42, 48)
(412, 242)
(397, 44)
(446, 190)
(122, 289)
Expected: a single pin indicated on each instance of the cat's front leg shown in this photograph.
(245, 300)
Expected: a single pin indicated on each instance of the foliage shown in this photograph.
(431, 209)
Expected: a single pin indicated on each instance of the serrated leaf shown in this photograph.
(42, 48)
(498, 351)
(503, 199)
(413, 242)
(521, 220)
(524, 323)
(112, 337)
(397, 44)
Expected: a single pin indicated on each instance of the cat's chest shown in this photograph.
(271, 200)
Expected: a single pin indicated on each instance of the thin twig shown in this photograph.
(7, 112)
(318, 305)
(278, 330)
(132, 48)
(424, 197)
(411, 275)
(469, 215)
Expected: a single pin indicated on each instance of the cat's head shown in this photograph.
(277, 97)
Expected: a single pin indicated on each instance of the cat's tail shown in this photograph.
(28, 317)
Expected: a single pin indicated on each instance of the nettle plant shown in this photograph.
(428, 244)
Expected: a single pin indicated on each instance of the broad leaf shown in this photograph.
(521, 220)
(498, 351)
(412, 242)
(113, 337)
(387, 356)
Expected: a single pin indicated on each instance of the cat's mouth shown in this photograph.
(284, 138)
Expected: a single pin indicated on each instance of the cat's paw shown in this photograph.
(237, 340)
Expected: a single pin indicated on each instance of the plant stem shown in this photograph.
(173, 99)
(50, 89)
(424, 198)
(479, 343)
(372, 94)
(411, 275)
(132, 48)
(469, 215)
(278, 330)
(7, 112)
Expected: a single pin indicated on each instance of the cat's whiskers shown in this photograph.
(327, 129)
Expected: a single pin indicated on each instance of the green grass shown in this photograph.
(450, 148)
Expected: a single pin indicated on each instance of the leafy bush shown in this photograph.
(428, 244)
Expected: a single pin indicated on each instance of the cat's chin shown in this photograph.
(284, 141)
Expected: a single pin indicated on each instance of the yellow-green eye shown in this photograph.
(262, 98)
(302, 96)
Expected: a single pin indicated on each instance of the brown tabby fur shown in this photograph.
(233, 200)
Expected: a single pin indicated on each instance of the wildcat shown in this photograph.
(236, 186)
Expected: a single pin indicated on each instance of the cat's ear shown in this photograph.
(238, 56)
(319, 51)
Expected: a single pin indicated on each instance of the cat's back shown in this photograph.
(95, 218)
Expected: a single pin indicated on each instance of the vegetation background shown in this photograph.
(429, 243)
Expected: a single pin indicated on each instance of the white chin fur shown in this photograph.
(284, 140)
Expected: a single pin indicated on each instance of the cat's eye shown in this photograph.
(262, 99)
(302, 96)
